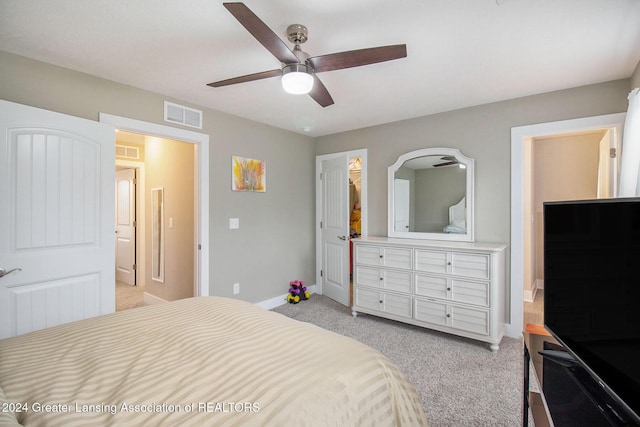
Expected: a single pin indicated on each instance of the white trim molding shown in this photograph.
(201, 141)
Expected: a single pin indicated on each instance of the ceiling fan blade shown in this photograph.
(356, 58)
(320, 94)
(261, 32)
(445, 164)
(247, 78)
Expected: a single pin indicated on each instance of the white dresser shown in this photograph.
(453, 287)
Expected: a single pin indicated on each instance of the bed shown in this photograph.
(199, 361)
(457, 218)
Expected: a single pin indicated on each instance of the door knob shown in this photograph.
(342, 237)
(4, 272)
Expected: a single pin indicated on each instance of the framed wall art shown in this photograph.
(248, 174)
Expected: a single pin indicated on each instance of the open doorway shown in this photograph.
(341, 195)
(521, 198)
(155, 220)
(573, 166)
(200, 142)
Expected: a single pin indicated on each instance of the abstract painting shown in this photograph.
(248, 174)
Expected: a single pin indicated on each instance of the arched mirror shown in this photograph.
(431, 195)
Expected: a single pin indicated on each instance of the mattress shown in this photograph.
(199, 361)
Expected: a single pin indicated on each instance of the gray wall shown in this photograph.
(436, 190)
(635, 77)
(483, 133)
(276, 240)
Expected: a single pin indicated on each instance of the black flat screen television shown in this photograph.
(592, 290)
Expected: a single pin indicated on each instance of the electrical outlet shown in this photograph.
(236, 288)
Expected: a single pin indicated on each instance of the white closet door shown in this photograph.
(335, 229)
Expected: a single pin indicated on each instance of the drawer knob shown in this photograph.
(381, 278)
(381, 301)
(448, 289)
(380, 256)
(448, 315)
(448, 262)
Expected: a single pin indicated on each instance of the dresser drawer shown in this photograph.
(470, 292)
(468, 319)
(432, 261)
(381, 256)
(430, 311)
(399, 305)
(470, 265)
(454, 316)
(442, 287)
(456, 263)
(386, 279)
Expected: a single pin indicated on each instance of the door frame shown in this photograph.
(362, 153)
(519, 137)
(201, 151)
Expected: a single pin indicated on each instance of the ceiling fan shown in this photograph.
(298, 70)
(448, 161)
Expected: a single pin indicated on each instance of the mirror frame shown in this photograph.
(157, 234)
(436, 151)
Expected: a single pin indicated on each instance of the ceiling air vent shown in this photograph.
(182, 115)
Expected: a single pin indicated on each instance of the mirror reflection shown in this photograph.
(431, 195)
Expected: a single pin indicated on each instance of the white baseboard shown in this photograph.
(530, 295)
(266, 304)
(152, 299)
(280, 300)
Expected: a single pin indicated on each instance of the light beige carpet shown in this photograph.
(128, 296)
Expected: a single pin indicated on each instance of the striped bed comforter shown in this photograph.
(199, 361)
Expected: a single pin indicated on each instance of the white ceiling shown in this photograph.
(460, 53)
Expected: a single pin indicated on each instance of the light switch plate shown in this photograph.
(234, 223)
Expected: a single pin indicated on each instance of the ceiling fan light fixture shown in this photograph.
(297, 79)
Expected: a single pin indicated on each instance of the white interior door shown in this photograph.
(126, 226)
(56, 218)
(401, 204)
(335, 229)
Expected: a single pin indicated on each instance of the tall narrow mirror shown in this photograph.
(431, 195)
(157, 234)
